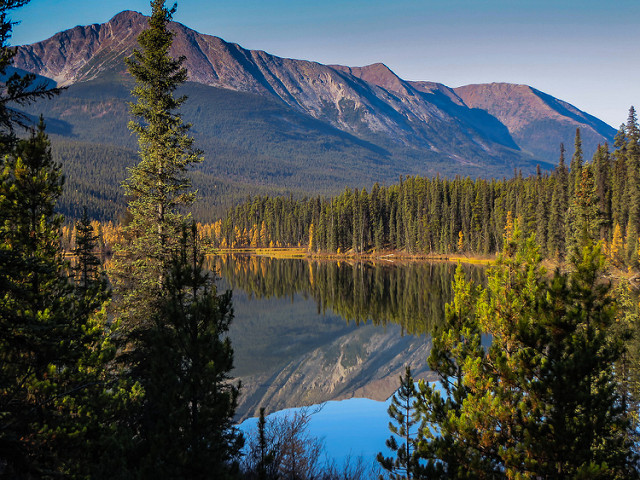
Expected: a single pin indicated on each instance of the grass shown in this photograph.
(388, 256)
(282, 252)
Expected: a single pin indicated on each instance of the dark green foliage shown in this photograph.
(438, 216)
(585, 211)
(265, 465)
(542, 400)
(52, 346)
(186, 425)
(157, 186)
(35, 296)
(575, 167)
(87, 269)
(173, 345)
(405, 419)
(443, 452)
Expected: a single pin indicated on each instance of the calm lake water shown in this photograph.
(310, 332)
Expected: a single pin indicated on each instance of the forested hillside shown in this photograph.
(599, 200)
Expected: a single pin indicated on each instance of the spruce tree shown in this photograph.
(603, 178)
(575, 167)
(87, 269)
(632, 186)
(443, 448)
(586, 215)
(556, 236)
(157, 186)
(174, 348)
(619, 207)
(404, 425)
(187, 424)
(52, 343)
(34, 294)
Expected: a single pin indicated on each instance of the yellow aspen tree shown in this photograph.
(617, 246)
(312, 245)
(264, 235)
(255, 236)
(508, 227)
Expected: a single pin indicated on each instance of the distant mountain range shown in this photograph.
(273, 125)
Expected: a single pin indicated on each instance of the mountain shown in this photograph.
(537, 122)
(277, 125)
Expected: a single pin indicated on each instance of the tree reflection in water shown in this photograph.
(293, 346)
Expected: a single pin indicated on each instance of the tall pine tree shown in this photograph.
(405, 420)
(187, 424)
(173, 322)
(52, 350)
(157, 186)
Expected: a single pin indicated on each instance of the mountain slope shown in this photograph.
(348, 101)
(537, 122)
(290, 125)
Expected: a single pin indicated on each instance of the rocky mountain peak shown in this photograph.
(376, 74)
(537, 121)
(83, 52)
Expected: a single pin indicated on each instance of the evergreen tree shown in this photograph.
(443, 448)
(187, 423)
(618, 178)
(404, 421)
(157, 186)
(632, 186)
(52, 349)
(586, 218)
(173, 349)
(88, 265)
(602, 176)
(575, 168)
(542, 400)
(265, 464)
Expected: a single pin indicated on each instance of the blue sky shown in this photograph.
(584, 52)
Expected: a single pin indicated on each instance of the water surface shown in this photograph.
(308, 332)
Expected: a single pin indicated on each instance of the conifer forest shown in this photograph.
(115, 355)
(596, 200)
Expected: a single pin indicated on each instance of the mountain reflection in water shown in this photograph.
(308, 331)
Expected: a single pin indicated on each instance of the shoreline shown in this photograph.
(383, 256)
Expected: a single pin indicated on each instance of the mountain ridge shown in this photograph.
(360, 100)
(298, 125)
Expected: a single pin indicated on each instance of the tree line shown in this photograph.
(419, 215)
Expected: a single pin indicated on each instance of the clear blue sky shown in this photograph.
(585, 52)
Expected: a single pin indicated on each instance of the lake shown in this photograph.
(308, 332)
